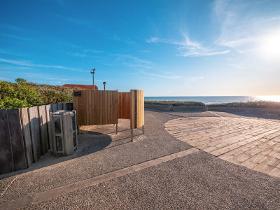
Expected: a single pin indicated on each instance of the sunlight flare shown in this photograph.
(269, 46)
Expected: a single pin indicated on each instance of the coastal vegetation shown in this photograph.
(22, 93)
(250, 104)
(175, 103)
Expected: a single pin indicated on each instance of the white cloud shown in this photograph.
(132, 61)
(192, 48)
(160, 75)
(13, 36)
(188, 47)
(242, 24)
(85, 53)
(25, 63)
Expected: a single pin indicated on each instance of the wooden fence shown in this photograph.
(124, 105)
(98, 107)
(25, 135)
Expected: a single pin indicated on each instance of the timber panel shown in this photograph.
(25, 126)
(6, 158)
(16, 139)
(137, 109)
(95, 107)
(124, 105)
(43, 129)
(35, 131)
(50, 130)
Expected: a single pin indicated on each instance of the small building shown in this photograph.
(81, 87)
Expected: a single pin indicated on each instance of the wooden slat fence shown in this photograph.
(96, 107)
(25, 135)
(124, 105)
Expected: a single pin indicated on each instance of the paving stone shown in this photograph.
(253, 143)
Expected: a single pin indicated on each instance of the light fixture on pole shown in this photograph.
(92, 72)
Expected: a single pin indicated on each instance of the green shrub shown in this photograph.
(26, 94)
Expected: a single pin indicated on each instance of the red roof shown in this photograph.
(81, 87)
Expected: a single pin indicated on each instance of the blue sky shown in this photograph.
(165, 47)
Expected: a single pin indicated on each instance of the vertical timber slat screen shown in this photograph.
(124, 105)
(96, 107)
(137, 109)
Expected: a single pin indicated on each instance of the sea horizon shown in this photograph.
(215, 99)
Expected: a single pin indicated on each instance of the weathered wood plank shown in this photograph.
(50, 130)
(25, 126)
(6, 158)
(35, 132)
(43, 129)
(16, 138)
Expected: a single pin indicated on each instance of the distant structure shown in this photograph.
(104, 85)
(81, 87)
(92, 72)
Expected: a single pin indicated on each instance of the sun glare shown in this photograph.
(269, 47)
(268, 98)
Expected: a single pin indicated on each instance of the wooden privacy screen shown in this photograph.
(124, 105)
(98, 107)
(137, 109)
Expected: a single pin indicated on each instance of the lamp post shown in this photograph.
(104, 85)
(92, 72)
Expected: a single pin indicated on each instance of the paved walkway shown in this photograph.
(156, 171)
(250, 142)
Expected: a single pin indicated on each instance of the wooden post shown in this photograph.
(117, 128)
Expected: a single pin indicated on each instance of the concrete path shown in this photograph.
(253, 143)
(153, 172)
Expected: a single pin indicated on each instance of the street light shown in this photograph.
(92, 72)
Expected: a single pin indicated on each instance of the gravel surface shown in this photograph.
(156, 142)
(198, 181)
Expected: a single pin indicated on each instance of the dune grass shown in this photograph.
(251, 104)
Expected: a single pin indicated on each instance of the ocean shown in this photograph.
(214, 99)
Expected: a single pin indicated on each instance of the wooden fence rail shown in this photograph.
(25, 135)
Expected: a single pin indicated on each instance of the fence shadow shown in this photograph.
(88, 144)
